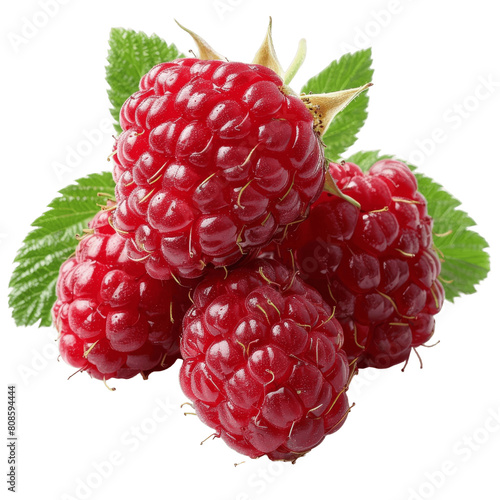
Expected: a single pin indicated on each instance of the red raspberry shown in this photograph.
(376, 264)
(214, 161)
(263, 362)
(113, 319)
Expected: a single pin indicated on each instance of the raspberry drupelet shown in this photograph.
(375, 264)
(113, 319)
(215, 160)
(263, 361)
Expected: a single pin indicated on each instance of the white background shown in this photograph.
(430, 59)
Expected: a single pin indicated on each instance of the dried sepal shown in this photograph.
(324, 107)
(266, 55)
(205, 52)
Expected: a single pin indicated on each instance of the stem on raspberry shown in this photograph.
(107, 386)
(213, 436)
(87, 352)
(419, 358)
(432, 345)
(448, 282)
(112, 154)
(108, 196)
(77, 371)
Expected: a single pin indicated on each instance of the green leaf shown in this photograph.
(464, 259)
(463, 251)
(365, 159)
(350, 71)
(131, 55)
(33, 281)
